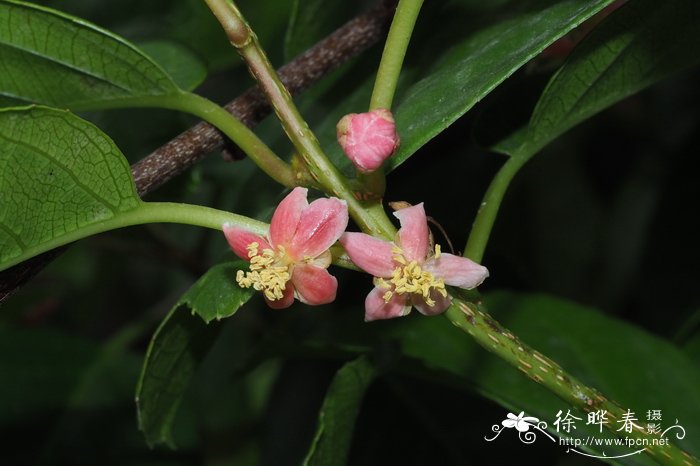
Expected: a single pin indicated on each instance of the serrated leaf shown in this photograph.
(478, 64)
(178, 346)
(61, 179)
(639, 44)
(54, 59)
(336, 420)
(183, 66)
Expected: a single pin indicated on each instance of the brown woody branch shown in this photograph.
(193, 145)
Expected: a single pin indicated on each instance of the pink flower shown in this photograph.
(368, 138)
(408, 273)
(292, 260)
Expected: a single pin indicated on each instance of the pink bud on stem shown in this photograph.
(369, 138)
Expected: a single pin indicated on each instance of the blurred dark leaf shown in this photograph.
(632, 49)
(336, 420)
(48, 370)
(179, 62)
(178, 346)
(312, 20)
(630, 366)
(479, 63)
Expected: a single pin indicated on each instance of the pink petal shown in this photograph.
(314, 285)
(239, 239)
(457, 271)
(287, 298)
(320, 225)
(441, 303)
(373, 255)
(368, 138)
(413, 234)
(285, 220)
(377, 309)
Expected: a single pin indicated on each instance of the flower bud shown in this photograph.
(368, 139)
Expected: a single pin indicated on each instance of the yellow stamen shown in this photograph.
(269, 271)
(409, 277)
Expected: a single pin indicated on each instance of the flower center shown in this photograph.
(269, 271)
(409, 277)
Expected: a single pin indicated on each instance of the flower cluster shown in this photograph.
(292, 260)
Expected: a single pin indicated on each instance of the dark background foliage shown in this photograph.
(606, 216)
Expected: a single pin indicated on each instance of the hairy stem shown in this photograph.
(244, 40)
(472, 318)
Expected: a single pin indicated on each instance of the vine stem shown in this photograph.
(321, 169)
(488, 210)
(245, 139)
(394, 53)
(468, 316)
(387, 78)
(472, 318)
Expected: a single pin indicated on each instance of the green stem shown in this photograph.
(239, 133)
(388, 76)
(486, 216)
(146, 212)
(394, 53)
(472, 318)
(244, 40)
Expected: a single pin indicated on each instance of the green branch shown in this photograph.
(488, 210)
(240, 134)
(472, 318)
(321, 169)
(394, 53)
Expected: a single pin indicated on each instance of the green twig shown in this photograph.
(240, 134)
(394, 53)
(244, 40)
(472, 318)
(486, 216)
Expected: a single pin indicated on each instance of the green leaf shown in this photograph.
(179, 345)
(216, 295)
(474, 67)
(336, 419)
(61, 179)
(54, 59)
(639, 44)
(637, 369)
(183, 66)
(310, 21)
